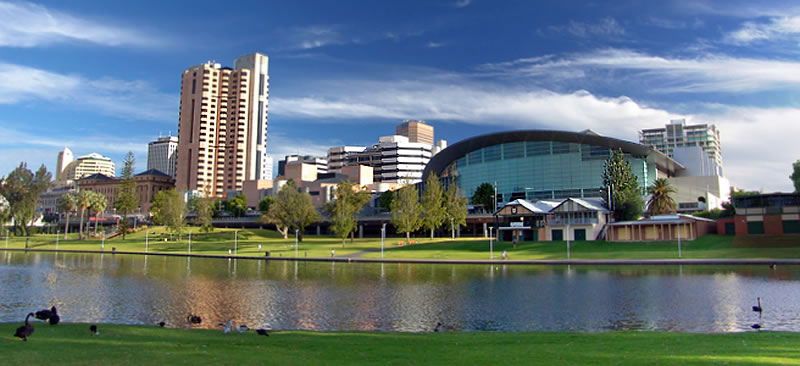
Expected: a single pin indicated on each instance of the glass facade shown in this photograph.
(541, 170)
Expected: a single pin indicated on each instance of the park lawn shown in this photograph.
(73, 344)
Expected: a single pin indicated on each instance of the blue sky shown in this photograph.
(104, 77)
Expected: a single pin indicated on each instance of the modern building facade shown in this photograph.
(148, 184)
(678, 134)
(543, 165)
(64, 159)
(393, 159)
(416, 131)
(87, 165)
(320, 162)
(162, 155)
(222, 126)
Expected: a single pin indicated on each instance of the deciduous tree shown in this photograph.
(455, 207)
(433, 211)
(126, 200)
(349, 200)
(407, 211)
(237, 206)
(169, 210)
(22, 189)
(291, 210)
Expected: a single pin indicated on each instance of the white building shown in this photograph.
(87, 165)
(64, 158)
(162, 155)
(678, 134)
(258, 64)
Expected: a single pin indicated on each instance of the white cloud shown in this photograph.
(607, 27)
(711, 73)
(433, 44)
(26, 24)
(112, 97)
(462, 3)
(777, 28)
(280, 145)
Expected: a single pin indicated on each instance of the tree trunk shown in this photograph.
(284, 231)
(408, 238)
(80, 228)
(431, 233)
(95, 224)
(66, 227)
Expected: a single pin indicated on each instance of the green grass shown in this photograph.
(218, 242)
(72, 344)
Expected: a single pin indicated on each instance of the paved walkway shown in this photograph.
(361, 253)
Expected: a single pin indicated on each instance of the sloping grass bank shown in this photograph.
(72, 344)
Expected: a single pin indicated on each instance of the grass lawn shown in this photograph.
(67, 344)
(221, 240)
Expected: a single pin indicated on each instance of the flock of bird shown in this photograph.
(53, 318)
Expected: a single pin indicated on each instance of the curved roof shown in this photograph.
(94, 156)
(440, 161)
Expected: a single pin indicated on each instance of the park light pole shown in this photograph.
(452, 228)
(679, 240)
(146, 240)
(235, 242)
(567, 235)
(58, 232)
(491, 244)
(103, 242)
(383, 237)
(296, 232)
(190, 241)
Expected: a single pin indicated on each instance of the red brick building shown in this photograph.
(763, 214)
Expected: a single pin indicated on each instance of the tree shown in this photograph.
(127, 200)
(237, 206)
(349, 200)
(407, 211)
(169, 210)
(22, 189)
(67, 203)
(204, 208)
(264, 204)
(99, 204)
(84, 200)
(292, 209)
(455, 207)
(621, 192)
(484, 196)
(433, 214)
(795, 177)
(5, 213)
(660, 200)
(385, 200)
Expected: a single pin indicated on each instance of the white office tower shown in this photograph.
(162, 155)
(258, 166)
(402, 161)
(440, 145)
(64, 158)
(678, 134)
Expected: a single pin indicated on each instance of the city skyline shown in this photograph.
(106, 78)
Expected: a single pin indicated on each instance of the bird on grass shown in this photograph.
(162, 324)
(194, 319)
(93, 329)
(756, 326)
(242, 328)
(438, 326)
(45, 314)
(54, 318)
(226, 327)
(262, 331)
(26, 330)
(758, 308)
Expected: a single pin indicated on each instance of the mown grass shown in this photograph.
(222, 240)
(73, 344)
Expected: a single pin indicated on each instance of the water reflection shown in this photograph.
(395, 296)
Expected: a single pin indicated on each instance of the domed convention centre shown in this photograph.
(544, 172)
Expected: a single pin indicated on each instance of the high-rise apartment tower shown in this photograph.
(64, 158)
(162, 155)
(222, 130)
(678, 134)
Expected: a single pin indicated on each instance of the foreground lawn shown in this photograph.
(68, 344)
(248, 241)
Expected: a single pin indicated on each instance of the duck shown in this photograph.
(194, 319)
(26, 330)
(758, 308)
(262, 331)
(226, 327)
(45, 314)
(93, 329)
(242, 328)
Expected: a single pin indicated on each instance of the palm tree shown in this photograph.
(67, 202)
(84, 201)
(660, 200)
(99, 203)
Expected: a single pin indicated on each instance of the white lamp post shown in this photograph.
(235, 242)
(58, 232)
(296, 233)
(383, 237)
(146, 240)
(452, 229)
(679, 240)
(190, 242)
(491, 244)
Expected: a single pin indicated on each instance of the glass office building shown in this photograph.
(536, 164)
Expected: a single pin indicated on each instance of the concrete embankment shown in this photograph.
(593, 262)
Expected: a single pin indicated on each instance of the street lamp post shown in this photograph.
(190, 242)
(146, 240)
(296, 231)
(103, 243)
(679, 240)
(58, 232)
(235, 242)
(452, 229)
(491, 244)
(383, 237)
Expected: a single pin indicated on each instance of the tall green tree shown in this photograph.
(203, 207)
(661, 201)
(5, 212)
(484, 196)
(126, 200)
(264, 204)
(455, 208)
(237, 206)
(292, 209)
(84, 201)
(433, 211)
(169, 210)
(22, 189)
(99, 204)
(349, 200)
(795, 177)
(407, 211)
(385, 200)
(66, 204)
(621, 191)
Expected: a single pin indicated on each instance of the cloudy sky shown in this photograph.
(104, 77)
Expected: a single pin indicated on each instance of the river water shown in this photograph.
(130, 289)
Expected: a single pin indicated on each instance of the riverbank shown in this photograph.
(72, 344)
(256, 243)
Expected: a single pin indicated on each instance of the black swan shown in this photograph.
(756, 326)
(26, 330)
(161, 324)
(45, 314)
(438, 325)
(194, 319)
(262, 332)
(93, 329)
(758, 307)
